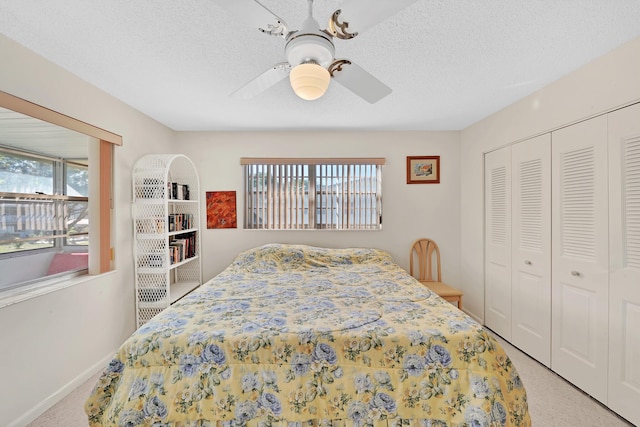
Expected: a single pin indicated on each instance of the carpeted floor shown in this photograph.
(553, 402)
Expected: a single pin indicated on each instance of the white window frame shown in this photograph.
(312, 193)
(44, 212)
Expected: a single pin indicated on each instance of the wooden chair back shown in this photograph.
(425, 250)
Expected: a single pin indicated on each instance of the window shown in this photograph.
(302, 194)
(76, 183)
(38, 208)
(55, 192)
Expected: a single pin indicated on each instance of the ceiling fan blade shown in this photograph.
(263, 82)
(256, 15)
(358, 81)
(356, 16)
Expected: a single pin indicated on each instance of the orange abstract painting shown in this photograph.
(221, 209)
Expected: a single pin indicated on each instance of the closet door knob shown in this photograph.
(576, 273)
(527, 262)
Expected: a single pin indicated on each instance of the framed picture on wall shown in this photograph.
(221, 209)
(423, 169)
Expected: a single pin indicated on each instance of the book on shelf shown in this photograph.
(174, 190)
(177, 191)
(152, 188)
(182, 246)
(178, 222)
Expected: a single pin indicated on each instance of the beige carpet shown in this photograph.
(553, 402)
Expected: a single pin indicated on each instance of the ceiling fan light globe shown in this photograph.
(309, 81)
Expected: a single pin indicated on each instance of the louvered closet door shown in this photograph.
(580, 255)
(624, 285)
(497, 283)
(531, 247)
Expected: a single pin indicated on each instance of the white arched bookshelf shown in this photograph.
(166, 228)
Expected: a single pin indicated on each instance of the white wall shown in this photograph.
(53, 342)
(610, 81)
(409, 211)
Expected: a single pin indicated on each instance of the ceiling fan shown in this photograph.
(310, 51)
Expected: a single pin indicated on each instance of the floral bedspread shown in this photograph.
(298, 335)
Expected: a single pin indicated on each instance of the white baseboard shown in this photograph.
(473, 315)
(60, 394)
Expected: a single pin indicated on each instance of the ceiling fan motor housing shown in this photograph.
(310, 48)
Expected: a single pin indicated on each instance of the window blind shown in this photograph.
(299, 194)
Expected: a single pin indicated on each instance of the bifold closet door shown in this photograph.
(497, 281)
(624, 284)
(531, 247)
(580, 257)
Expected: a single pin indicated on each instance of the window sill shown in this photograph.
(15, 296)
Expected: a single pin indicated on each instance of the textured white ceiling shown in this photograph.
(450, 63)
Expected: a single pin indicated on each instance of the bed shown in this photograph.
(294, 335)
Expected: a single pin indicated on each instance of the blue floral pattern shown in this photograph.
(298, 336)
